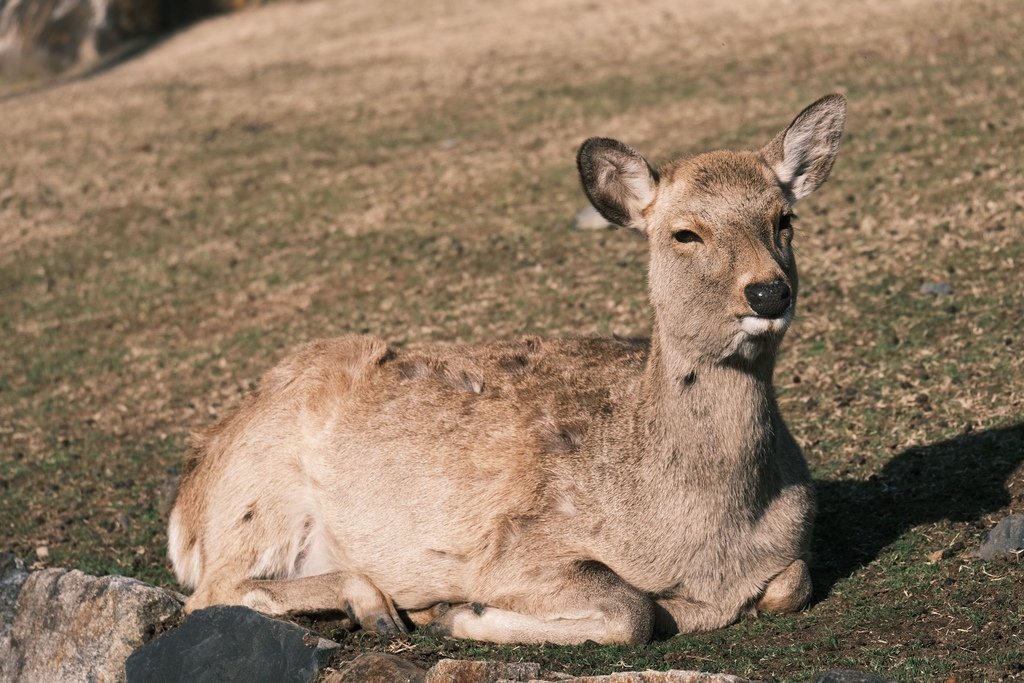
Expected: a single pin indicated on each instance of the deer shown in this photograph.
(537, 490)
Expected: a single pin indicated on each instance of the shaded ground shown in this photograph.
(171, 227)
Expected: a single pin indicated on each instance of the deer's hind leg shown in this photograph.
(586, 601)
(341, 591)
(789, 591)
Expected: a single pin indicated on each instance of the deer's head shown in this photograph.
(723, 279)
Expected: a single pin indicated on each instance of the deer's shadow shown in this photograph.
(959, 479)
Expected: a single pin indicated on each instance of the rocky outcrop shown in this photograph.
(39, 37)
(231, 643)
(61, 625)
(69, 626)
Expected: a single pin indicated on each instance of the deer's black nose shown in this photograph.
(768, 299)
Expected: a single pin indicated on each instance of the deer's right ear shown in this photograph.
(618, 181)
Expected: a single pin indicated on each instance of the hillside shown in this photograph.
(172, 225)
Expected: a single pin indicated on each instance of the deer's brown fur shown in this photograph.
(552, 490)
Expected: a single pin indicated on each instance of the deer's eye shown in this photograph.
(784, 230)
(686, 236)
(786, 223)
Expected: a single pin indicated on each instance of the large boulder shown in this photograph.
(70, 626)
(231, 643)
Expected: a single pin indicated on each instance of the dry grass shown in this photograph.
(170, 226)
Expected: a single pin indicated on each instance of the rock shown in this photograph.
(231, 643)
(53, 38)
(38, 38)
(660, 677)
(850, 676)
(1005, 541)
(377, 667)
(937, 288)
(382, 668)
(589, 219)
(70, 626)
(465, 671)
(12, 575)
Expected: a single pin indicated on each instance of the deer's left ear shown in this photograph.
(618, 181)
(802, 155)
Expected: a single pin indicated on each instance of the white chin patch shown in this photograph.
(749, 341)
(755, 326)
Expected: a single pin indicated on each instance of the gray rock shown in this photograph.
(231, 643)
(377, 667)
(37, 38)
(850, 676)
(57, 37)
(70, 626)
(382, 668)
(465, 671)
(12, 575)
(589, 219)
(937, 288)
(1005, 541)
(673, 676)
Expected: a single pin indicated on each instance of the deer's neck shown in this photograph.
(706, 424)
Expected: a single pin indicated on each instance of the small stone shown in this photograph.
(589, 219)
(377, 667)
(465, 671)
(231, 643)
(1005, 541)
(937, 288)
(850, 676)
(70, 626)
(868, 225)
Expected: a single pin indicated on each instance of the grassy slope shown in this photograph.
(169, 228)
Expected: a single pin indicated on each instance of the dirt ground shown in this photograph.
(171, 225)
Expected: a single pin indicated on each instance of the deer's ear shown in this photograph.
(618, 181)
(802, 155)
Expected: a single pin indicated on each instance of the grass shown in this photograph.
(169, 228)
